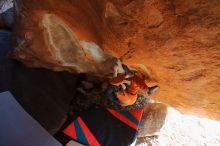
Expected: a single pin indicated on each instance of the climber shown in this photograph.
(124, 88)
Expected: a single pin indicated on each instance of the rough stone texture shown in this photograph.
(57, 41)
(184, 130)
(175, 42)
(153, 119)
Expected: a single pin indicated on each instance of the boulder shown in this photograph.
(175, 43)
(153, 119)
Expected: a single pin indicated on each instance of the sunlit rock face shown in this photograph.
(174, 42)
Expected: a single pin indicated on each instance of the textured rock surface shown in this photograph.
(175, 42)
(153, 119)
(184, 130)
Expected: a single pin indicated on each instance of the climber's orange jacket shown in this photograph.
(130, 96)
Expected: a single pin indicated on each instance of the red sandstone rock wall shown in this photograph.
(175, 42)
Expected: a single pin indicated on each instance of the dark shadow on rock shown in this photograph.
(8, 18)
(44, 94)
(6, 64)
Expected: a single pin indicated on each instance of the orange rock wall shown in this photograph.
(175, 42)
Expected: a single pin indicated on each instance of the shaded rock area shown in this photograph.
(152, 120)
(174, 42)
(6, 14)
(6, 64)
(44, 94)
(1, 22)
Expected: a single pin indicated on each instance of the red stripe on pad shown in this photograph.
(89, 136)
(137, 113)
(70, 131)
(122, 118)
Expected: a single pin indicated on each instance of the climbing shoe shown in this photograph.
(152, 89)
(128, 72)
